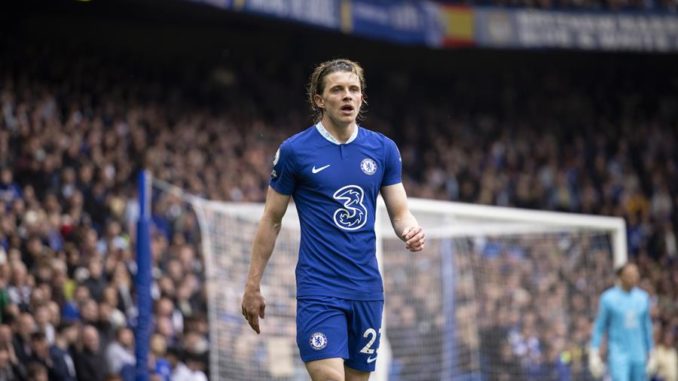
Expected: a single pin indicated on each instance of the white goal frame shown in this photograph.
(512, 221)
(469, 220)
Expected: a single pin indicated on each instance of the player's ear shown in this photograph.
(319, 101)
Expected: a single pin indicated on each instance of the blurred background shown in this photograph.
(553, 105)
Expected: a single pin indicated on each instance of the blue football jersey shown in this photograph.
(335, 188)
(625, 317)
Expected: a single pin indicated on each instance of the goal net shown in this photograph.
(498, 293)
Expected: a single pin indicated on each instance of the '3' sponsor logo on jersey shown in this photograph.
(353, 215)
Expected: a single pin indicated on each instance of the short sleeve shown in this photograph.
(282, 176)
(393, 164)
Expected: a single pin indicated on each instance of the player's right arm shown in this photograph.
(600, 325)
(596, 364)
(253, 303)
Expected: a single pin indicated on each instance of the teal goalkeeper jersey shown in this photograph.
(625, 317)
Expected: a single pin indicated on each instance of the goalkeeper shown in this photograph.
(624, 316)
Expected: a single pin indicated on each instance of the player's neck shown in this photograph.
(341, 132)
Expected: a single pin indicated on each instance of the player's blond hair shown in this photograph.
(316, 83)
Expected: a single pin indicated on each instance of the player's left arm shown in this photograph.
(404, 224)
(651, 365)
(647, 325)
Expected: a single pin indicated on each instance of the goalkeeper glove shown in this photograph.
(651, 367)
(596, 364)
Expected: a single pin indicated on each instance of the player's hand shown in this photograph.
(414, 238)
(253, 308)
(651, 367)
(596, 364)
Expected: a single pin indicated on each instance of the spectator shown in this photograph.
(160, 364)
(88, 358)
(192, 370)
(43, 323)
(40, 351)
(9, 190)
(63, 367)
(36, 372)
(19, 289)
(180, 371)
(24, 328)
(666, 359)
(120, 352)
(8, 366)
(95, 281)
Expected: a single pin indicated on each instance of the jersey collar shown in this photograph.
(326, 134)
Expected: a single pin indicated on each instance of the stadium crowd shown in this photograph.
(74, 132)
(669, 6)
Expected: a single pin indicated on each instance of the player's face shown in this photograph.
(341, 98)
(630, 276)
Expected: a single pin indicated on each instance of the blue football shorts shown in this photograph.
(330, 327)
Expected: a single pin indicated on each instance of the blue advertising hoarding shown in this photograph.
(407, 22)
(324, 13)
(434, 25)
(603, 31)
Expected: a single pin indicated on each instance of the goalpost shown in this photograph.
(498, 293)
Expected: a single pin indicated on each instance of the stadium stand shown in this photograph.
(558, 133)
(613, 5)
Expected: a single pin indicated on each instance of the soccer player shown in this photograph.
(334, 171)
(624, 316)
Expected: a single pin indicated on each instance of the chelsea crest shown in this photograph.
(368, 166)
(318, 341)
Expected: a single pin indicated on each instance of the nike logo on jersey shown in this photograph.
(316, 170)
(371, 359)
